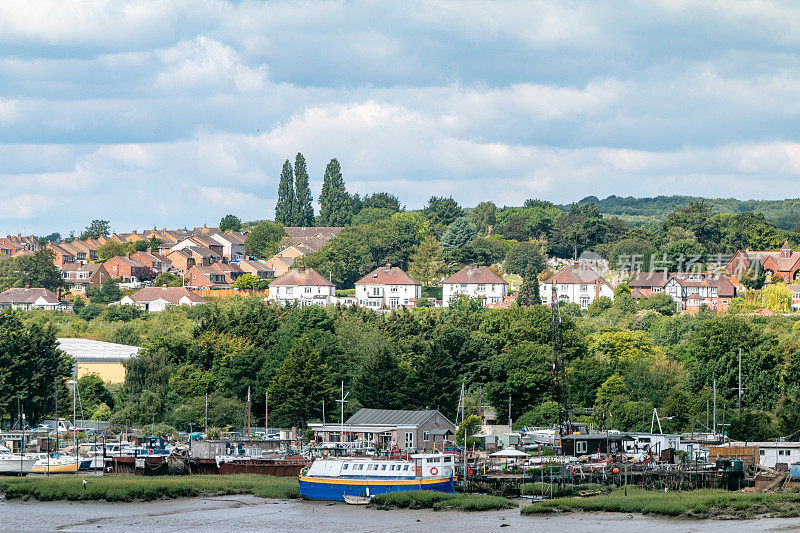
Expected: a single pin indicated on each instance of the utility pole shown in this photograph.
(509, 412)
(266, 413)
(715, 407)
(740, 380)
(248, 411)
(343, 401)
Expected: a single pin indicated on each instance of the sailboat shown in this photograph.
(12, 463)
(60, 463)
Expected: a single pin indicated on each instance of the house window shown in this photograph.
(493, 289)
(463, 286)
(376, 291)
(584, 302)
(580, 446)
(409, 439)
(393, 288)
(289, 290)
(584, 288)
(308, 290)
(656, 289)
(426, 436)
(563, 287)
(481, 287)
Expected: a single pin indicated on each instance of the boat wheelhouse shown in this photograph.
(332, 479)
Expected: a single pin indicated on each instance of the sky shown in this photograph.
(172, 113)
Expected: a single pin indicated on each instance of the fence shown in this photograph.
(224, 293)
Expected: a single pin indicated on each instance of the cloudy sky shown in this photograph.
(177, 112)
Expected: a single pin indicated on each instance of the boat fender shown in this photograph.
(434, 471)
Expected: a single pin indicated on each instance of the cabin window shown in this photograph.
(391, 467)
(361, 467)
(580, 446)
(405, 467)
(448, 459)
(383, 467)
(432, 460)
(345, 466)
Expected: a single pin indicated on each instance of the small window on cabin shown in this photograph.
(391, 467)
(383, 467)
(448, 459)
(345, 466)
(405, 467)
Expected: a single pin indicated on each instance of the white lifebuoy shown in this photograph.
(434, 471)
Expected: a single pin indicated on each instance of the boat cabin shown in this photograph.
(421, 465)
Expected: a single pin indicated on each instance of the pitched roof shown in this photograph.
(301, 277)
(92, 351)
(475, 274)
(723, 284)
(172, 295)
(312, 238)
(388, 275)
(650, 279)
(577, 275)
(391, 417)
(28, 296)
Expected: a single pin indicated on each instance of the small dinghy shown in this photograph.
(357, 500)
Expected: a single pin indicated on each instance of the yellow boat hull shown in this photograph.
(69, 468)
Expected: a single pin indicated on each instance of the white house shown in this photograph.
(475, 281)
(29, 298)
(303, 286)
(576, 283)
(387, 287)
(232, 244)
(154, 299)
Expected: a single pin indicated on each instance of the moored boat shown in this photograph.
(57, 464)
(333, 479)
(13, 463)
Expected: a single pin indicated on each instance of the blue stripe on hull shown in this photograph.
(336, 491)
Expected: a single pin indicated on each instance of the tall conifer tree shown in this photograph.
(303, 211)
(334, 202)
(284, 209)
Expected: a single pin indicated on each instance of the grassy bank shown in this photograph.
(438, 501)
(137, 488)
(552, 490)
(690, 504)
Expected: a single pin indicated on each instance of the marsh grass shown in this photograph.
(705, 503)
(138, 488)
(428, 499)
(537, 489)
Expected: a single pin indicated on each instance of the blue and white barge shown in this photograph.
(333, 478)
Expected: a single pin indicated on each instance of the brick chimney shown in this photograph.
(388, 266)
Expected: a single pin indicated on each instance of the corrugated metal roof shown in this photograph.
(390, 417)
(91, 351)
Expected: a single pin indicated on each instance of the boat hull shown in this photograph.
(13, 466)
(318, 488)
(55, 468)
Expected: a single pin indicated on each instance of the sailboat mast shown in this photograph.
(248, 411)
(266, 413)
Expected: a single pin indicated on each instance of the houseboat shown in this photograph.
(335, 478)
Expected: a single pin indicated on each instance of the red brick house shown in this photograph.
(784, 262)
(127, 269)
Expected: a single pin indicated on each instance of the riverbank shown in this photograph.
(439, 501)
(139, 488)
(698, 504)
(248, 513)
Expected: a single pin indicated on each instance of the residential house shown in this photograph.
(182, 260)
(387, 287)
(29, 242)
(232, 244)
(646, 284)
(695, 290)
(61, 256)
(388, 429)
(302, 286)
(128, 270)
(795, 290)
(595, 443)
(257, 268)
(280, 265)
(475, 281)
(308, 239)
(202, 253)
(9, 247)
(294, 251)
(79, 277)
(154, 299)
(575, 283)
(207, 240)
(30, 298)
(157, 262)
(206, 277)
(783, 263)
(776, 455)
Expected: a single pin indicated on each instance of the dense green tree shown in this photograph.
(168, 279)
(230, 223)
(482, 251)
(93, 392)
(697, 218)
(379, 381)
(600, 305)
(459, 233)
(336, 206)
(369, 215)
(661, 302)
(303, 210)
(30, 366)
(35, 270)
(381, 200)
(529, 292)
(114, 249)
(443, 211)
(264, 240)
(106, 293)
(95, 230)
(426, 264)
(546, 414)
(285, 206)
(524, 374)
(484, 215)
(581, 228)
(469, 427)
(300, 386)
(525, 259)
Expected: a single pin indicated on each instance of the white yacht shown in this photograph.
(14, 463)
